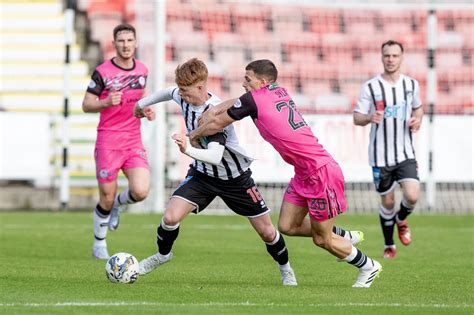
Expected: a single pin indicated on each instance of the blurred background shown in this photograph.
(324, 51)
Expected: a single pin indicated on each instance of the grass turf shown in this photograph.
(221, 267)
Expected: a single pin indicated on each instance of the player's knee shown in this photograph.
(267, 234)
(139, 194)
(170, 219)
(388, 203)
(321, 241)
(411, 199)
(285, 228)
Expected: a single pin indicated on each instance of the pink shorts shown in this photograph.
(109, 162)
(322, 192)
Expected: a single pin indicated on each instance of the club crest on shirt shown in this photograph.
(238, 104)
(92, 84)
(142, 80)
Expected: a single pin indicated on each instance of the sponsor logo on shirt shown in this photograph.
(379, 103)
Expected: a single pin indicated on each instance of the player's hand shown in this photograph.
(114, 98)
(180, 140)
(149, 113)
(414, 123)
(138, 111)
(207, 116)
(377, 117)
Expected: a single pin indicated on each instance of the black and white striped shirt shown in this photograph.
(391, 141)
(235, 160)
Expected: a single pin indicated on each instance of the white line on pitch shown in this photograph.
(92, 304)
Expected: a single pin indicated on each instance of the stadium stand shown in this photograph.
(32, 73)
(324, 53)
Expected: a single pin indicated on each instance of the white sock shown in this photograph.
(285, 267)
(163, 257)
(352, 255)
(123, 198)
(101, 223)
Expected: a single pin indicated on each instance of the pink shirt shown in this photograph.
(278, 121)
(118, 128)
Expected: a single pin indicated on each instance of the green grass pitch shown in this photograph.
(220, 266)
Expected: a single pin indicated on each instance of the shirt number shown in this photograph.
(291, 114)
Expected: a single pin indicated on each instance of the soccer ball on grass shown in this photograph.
(122, 268)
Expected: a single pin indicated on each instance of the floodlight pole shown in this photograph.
(68, 40)
(159, 133)
(431, 99)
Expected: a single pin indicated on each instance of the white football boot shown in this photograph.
(367, 276)
(149, 264)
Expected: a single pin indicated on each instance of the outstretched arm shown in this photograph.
(212, 121)
(159, 96)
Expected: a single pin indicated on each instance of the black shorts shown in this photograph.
(385, 177)
(239, 194)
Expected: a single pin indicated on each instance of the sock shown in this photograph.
(101, 222)
(387, 222)
(285, 267)
(405, 210)
(165, 236)
(124, 198)
(277, 249)
(341, 232)
(359, 259)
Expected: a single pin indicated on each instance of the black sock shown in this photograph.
(278, 249)
(165, 239)
(131, 197)
(387, 222)
(101, 211)
(404, 212)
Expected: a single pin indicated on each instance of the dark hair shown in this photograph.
(391, 43)
(124, 27)
(264, 68)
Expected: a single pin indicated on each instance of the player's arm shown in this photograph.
(416, 117)
(91, 102)
(213, 154)
(156, 97)
(417, 110)
(362, 115)
(213, 121)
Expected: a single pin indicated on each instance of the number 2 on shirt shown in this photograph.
(291, 114)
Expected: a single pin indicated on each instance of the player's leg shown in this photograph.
(407, 176)
(108, 163)
(136, 169)
(385, 184)
(342, 248)
(101, 218)
(294, 221)
(276, 247)
(166, 234)
(193, 195)
(241, 195)
(387, 223)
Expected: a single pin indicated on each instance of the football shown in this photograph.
(122, 268)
